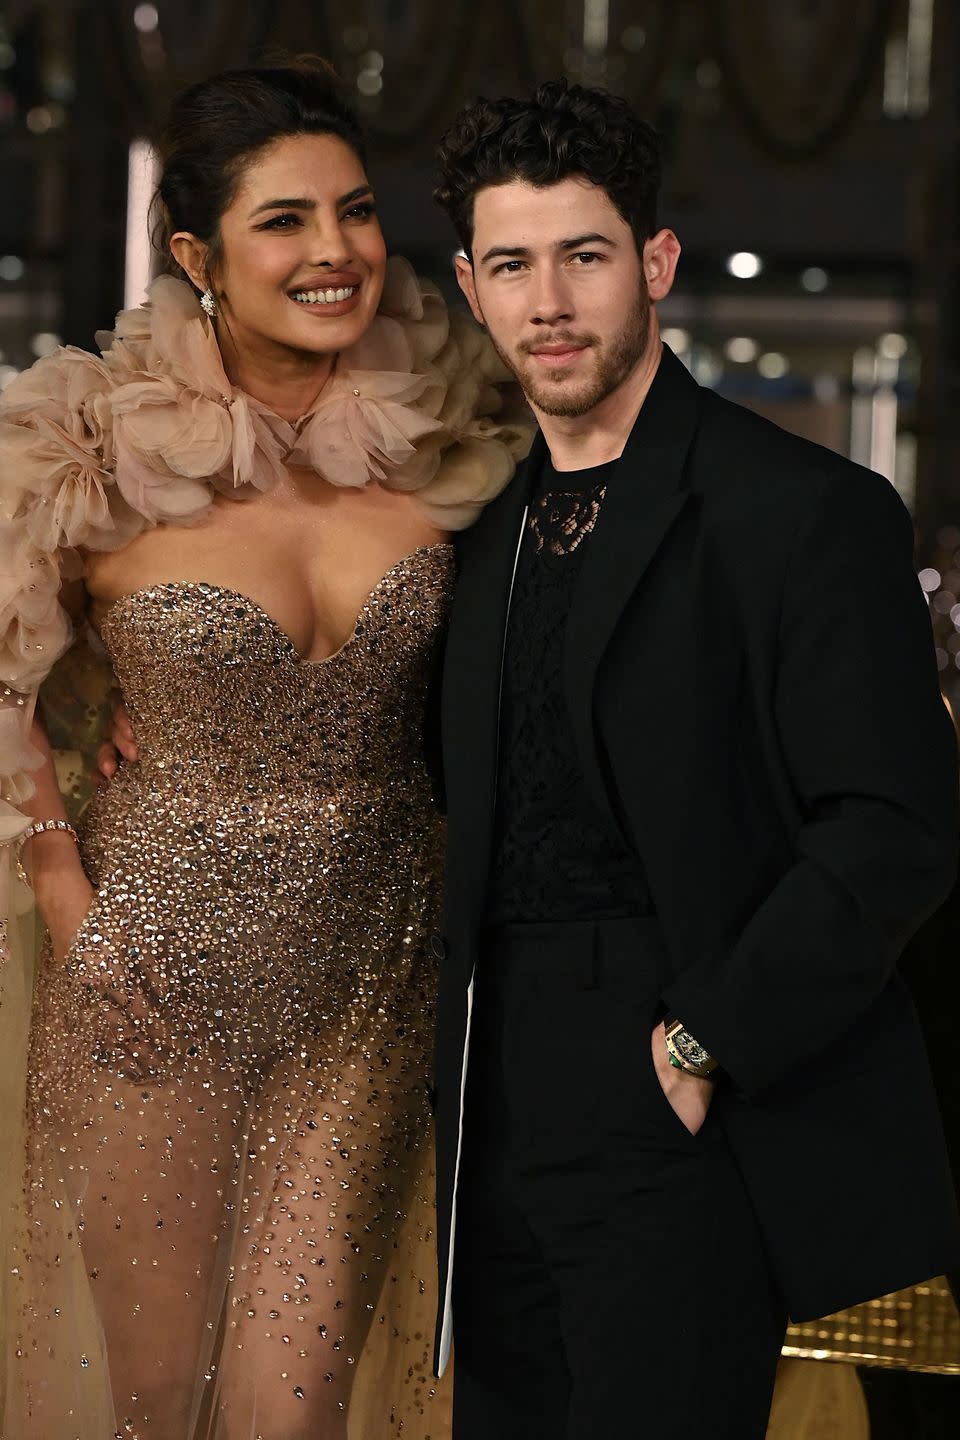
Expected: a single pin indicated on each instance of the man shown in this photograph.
(701, 789)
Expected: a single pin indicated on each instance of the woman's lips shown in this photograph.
(333, 300)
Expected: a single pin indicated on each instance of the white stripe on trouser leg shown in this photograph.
(446, 1329)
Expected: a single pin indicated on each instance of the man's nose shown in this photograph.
(552, 303)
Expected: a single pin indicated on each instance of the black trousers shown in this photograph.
(609, 1279)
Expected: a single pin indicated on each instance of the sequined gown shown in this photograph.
(228, 1114)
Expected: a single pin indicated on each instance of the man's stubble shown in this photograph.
(621, 356)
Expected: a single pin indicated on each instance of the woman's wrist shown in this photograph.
(51, 860)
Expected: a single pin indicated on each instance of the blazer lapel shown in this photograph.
(471, 680)
(645, 498)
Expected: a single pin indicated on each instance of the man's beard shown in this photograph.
(553, 396)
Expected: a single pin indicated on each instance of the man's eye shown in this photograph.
(586, 257)
(509, 267)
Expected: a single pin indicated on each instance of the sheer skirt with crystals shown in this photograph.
(226, 1206)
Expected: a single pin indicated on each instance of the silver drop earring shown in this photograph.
(208, 303)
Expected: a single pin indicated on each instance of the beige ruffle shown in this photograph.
(93, 450)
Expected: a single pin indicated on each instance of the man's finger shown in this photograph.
(126, 744)
(107, 760)
(121, 716)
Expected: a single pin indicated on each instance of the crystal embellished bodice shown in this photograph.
(221, 700)
(280, 808)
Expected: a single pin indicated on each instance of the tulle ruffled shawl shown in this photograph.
(93, 450)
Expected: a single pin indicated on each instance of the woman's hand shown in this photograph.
(121, 742)
(689, 1095)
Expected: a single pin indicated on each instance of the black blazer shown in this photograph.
(750, 676)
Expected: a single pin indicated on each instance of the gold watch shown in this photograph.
(685, 1052)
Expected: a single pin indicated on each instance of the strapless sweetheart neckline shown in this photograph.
(208, 586)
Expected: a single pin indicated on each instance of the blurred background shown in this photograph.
(812, 154)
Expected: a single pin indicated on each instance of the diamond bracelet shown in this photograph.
(37, 828)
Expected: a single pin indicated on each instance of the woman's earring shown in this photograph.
(208, 303)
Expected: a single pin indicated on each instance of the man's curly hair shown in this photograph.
(563, 130)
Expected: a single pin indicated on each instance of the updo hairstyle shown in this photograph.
(217, 126)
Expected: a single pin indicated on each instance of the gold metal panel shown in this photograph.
(916, 1329)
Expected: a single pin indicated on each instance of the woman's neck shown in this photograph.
(285, 381)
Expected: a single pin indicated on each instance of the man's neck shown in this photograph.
(578, 442)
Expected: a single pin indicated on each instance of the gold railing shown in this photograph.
(916, 1329)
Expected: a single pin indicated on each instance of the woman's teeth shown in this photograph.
(324, 297)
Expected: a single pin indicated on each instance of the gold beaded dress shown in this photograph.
(216, 1196)
(232, 1062)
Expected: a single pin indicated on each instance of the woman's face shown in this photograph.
(302, 257)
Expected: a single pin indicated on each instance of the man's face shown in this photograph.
(557, 280)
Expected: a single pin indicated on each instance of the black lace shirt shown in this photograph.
(556, 857)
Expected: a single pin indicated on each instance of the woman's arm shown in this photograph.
(51, 859)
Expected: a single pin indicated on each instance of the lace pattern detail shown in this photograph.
(562, 519)
(556, 857)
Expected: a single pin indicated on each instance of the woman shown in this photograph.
(214, 1175)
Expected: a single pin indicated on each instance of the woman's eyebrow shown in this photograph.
(300, 203)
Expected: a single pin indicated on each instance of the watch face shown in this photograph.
(692, 1052)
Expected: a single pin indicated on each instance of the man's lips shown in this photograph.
(554, 356)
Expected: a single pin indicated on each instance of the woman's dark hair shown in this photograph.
(216, 127)
(563, 130)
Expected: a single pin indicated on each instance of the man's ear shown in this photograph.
(660, 256)
(191, 255)
(467, 283)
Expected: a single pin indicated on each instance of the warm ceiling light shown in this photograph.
(892, 346)
(814, 279)
(146, 18)
(772, 365)
(744, 265)
(741, 350)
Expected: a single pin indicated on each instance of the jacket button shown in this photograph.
(438, 947)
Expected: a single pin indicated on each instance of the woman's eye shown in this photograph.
(362, 211)
(281, 222)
